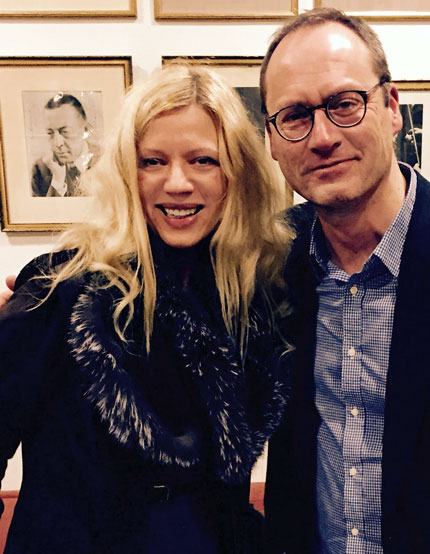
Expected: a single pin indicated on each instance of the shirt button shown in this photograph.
(354, 532)
(353, 471)
(351, 351)
(354, 411)
(353, 290)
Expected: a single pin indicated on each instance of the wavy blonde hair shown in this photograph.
(249, 245)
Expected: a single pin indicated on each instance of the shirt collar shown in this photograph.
(389, 250)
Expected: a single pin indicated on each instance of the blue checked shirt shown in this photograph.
(354, 328)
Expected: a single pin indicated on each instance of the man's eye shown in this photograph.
(296, 116)
(345, 104)
(291, 116)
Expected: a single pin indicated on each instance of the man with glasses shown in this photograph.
(347, 471)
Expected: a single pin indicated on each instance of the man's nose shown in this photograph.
(325, 135)
(178, 180)
(57, 139)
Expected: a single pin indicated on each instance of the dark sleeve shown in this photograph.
(41, 178)
(277, 518)
(32, 339)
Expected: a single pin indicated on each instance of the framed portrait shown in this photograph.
(384, 9)
(412, 144)
(242, 73)
(54, 115)
(225, 9)
(68, 8)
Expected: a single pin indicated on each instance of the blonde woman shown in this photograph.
(152, 374)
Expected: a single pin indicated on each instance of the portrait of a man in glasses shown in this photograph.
(347, 471)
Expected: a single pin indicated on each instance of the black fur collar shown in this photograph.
(244, 404)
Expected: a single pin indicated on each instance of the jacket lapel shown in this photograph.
(408, 375)
(302, 328)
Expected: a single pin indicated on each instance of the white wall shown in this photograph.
(407, 47)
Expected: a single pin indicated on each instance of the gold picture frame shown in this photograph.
(224, 9)
(97, 85)
(386, 9)
(68, 8)
(242, 73)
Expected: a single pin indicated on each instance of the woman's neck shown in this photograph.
(181, 263)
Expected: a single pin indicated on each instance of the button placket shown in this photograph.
(354, 423)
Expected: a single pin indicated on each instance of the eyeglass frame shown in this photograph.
(363, 93)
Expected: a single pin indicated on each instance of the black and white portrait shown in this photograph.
(63, 131)
(408, 142)
(251, 98)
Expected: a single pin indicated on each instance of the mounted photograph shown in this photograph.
(54, 116)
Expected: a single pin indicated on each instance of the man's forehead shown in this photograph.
(66, 112)
(328, 55)
(309, 43)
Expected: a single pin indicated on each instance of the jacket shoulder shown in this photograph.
(33, 282)
(300, 217)
(42, 265)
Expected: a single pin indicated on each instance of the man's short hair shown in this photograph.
(319, 16)
(61, 99)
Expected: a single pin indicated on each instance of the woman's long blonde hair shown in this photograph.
(249, 245)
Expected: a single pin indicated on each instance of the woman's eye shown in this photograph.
(149, 162)
(205, 160)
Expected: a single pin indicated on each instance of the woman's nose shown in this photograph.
(177, 180)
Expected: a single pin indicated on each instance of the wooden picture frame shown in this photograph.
(385, 10)
(68, 8)
(242, 73)
(224, 9)
(93, 89)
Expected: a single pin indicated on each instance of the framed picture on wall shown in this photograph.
(384, 9)
(68, 8)
(54, 115)
(413, 142)
(242, 73)
(225, 9)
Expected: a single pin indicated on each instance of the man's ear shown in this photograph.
(271, 136)
(394, 107)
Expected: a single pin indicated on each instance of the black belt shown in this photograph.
(163, 493)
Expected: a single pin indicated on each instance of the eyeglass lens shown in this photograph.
(345, 109)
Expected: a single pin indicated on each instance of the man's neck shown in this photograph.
(354, 230)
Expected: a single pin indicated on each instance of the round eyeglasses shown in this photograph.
(344, 109)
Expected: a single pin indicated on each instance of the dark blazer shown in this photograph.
(290, 488)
